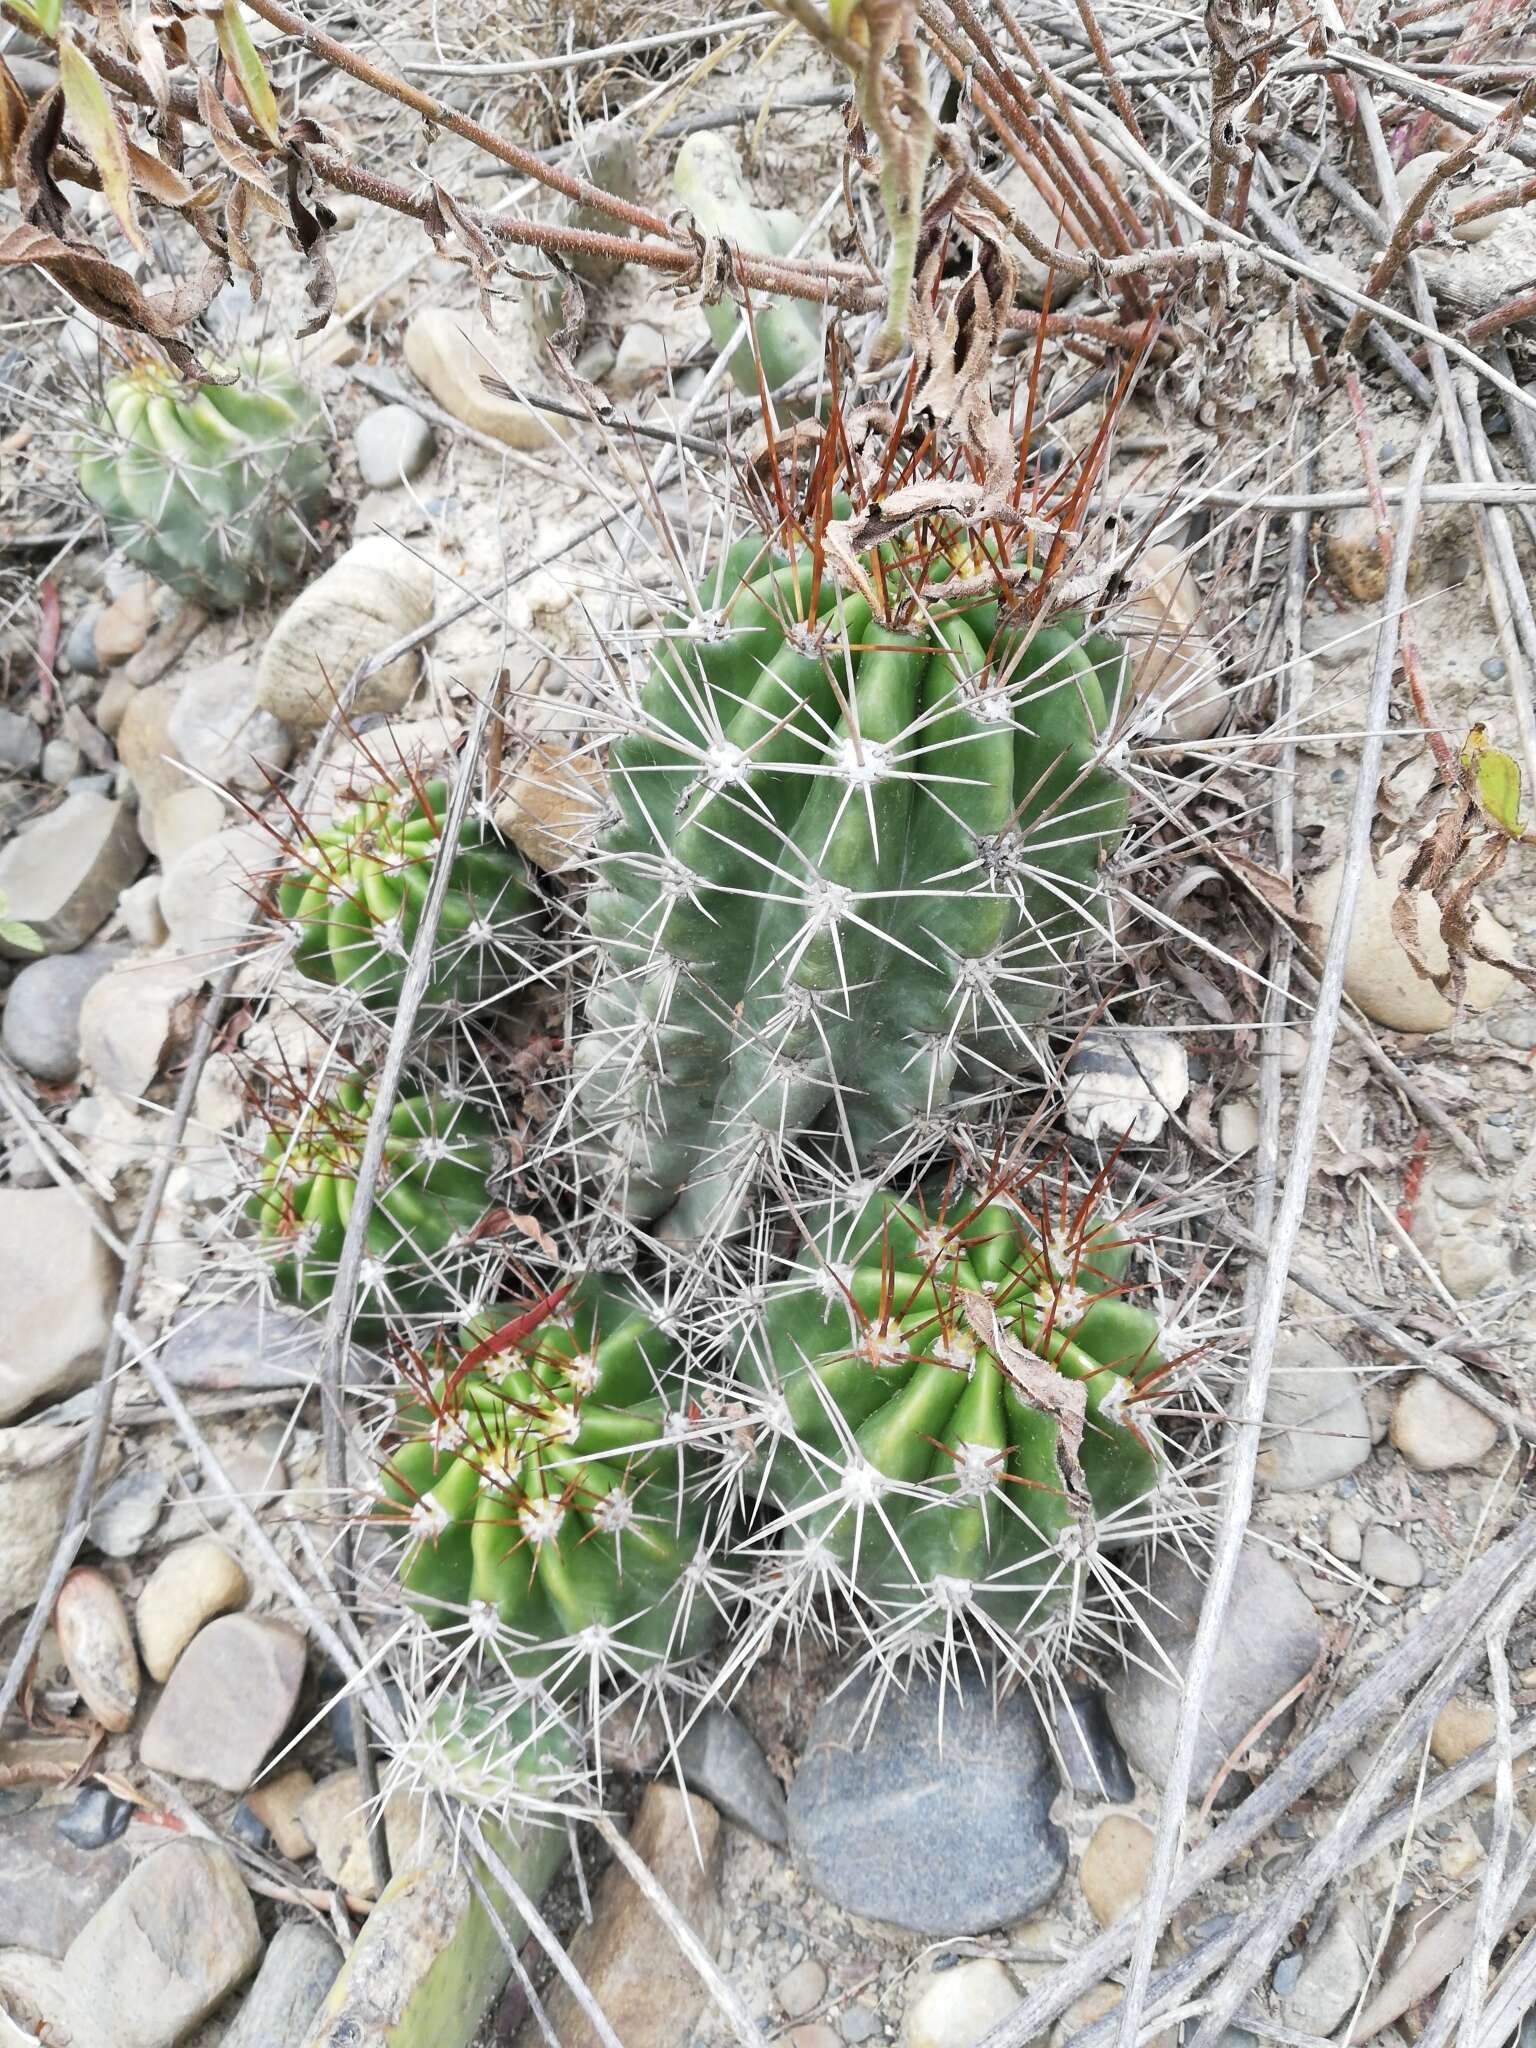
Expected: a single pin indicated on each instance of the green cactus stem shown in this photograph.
(854, 848)
(214, 491)
(551, 1482)
(434, 1187)
(959, 1401)
(353, 893)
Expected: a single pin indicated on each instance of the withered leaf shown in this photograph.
(312, 220)
(243, 161)
(1036, 1381)
(13, 121)
(102, 288)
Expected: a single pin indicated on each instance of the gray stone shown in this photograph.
(63, 874)
(49, 1888)
(209, 893)
(218, 728)
(1270, 1642)
(1389, 1557)
(21, 744)
(125, 1516)
(719, 1759)
(242, 1344)
(169, 1945)
(1331, 1974)
(230, 1696)
(80, 644)
(95, 1817)
(392, 443)
(298, 1970)
(1316, 1428)
(1344, 1537)
(1086, 1749)
(58, 1288)
(41, 1031)
(936, 1822)
(1516, 1027)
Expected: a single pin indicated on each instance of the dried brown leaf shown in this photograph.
(1036, 1380)
(103, 289)
(236, 156)
(14, 111)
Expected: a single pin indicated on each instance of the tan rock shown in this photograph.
(957, 2007)
(374, 594)
(1436, 1430)
(145, 748)
(1459, 1730)
(335, 1817)
(188, 1587)
(184, 818)
(1174, 663)
(97, 1644)
(276, 1805)
(1353, 553)
(126, 624)
(453, 352)
(58, 1288)
(37, 1476)
(1379, 974)
(1115, 1866)
(553, 803)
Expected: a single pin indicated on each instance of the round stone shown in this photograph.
(1436, 1430)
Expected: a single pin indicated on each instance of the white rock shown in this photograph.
(451, 352)
(643, 356)
(58, 1287)
(97, 1646)
(186, 816)
(392, 443)
(1379, 974)
(1174, 664)
(1332, 1973)
(63, 874)
(37, 1476)
(1436, 1430)
(1470, 1264)
(1124, 1085)
(188, 1587)
(1389, 1557)
(127, 1021)
(1344, 1536)
(375, 594)
(1238, 1127)
(1316, 1428)
(1046, 224)
(209, 893)
(218, 728)
(139, 908)
(956, 2007)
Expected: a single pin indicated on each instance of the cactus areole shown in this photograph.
(214, 490)
(859, 831)
(959, 1404)
(546, 1486)
(354, 892)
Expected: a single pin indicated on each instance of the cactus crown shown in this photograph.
(215, 490)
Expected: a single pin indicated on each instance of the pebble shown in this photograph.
(1329, 1974)
(97, 1646)
(127, 1513)
(1344, 1536)
(276, 1803)
(169, 1945)
(129, 1021)
(1472, 1264)
(1390, 1557)
(297, 1971)
(1460, 1729)
(80, 654)
(126, 624)
(393, 444)
(1122, 1087)
(1316, 1428)
(553, 805)
(1238, 1128)
(239, 1344)
(1515, 1027)
(63, 874)
(452, 352)
(113, 705)
(1463, 1190)
(1086, 1749)
(58, 1288)
(334, 1816)
(1377, 972)
(244, 1824)
(1270, 1641)
(50, 1885)
(642, 359)
(815, 2034)
(208, 893)
(858, 2023)
(1497, 168)
(148, 757)
(955, 2008)
(1436, 1430)
(36, 1480)
(217, 728)
(62, 762)
(1115, 1865)
(139, 908)
(648, 1993)
(229, 1698)
(720, 1759)
(1174, 664)
(186, 816)
(95, 1817)
(373, 594)
(186, 1589)
(41, 1027)
(21, 744)
(802, 1989)
(942, 1836)
(1354, 556)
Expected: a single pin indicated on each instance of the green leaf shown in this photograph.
(14, 933)
(1496, 779)
(44, 16)
(94, 120)
(244, 60)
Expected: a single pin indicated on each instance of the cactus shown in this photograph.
(354, 892)
(957, 1398)
(214, 491)
(554, 1481)
(433, 1189)
(857, 836)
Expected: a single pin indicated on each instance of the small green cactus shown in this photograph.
(958, 1404)
(439, 1160)
(354, 892)
(858, 835)
(213, 491)
(552, 1485)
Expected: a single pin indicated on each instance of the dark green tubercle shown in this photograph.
(959, 1403)
(855, 845)
(434, 1187)
(354, 893)
(555, 1487)
(215, 490)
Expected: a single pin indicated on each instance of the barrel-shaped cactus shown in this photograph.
(353, 893)
(434, 1186)
(214, 490)
(858, 833)
(552, 1484)
(957, 1402)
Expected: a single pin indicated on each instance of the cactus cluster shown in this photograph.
(858, 836)
(215, 489)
